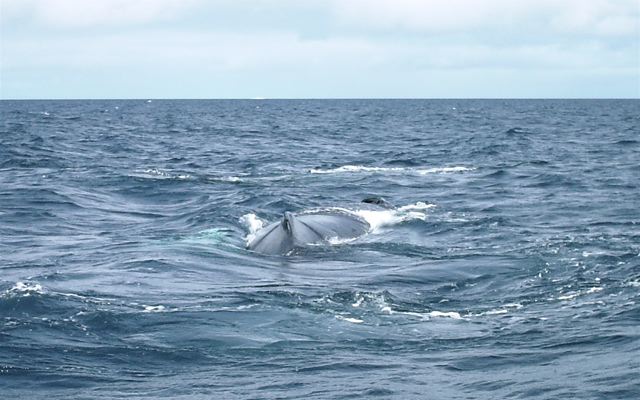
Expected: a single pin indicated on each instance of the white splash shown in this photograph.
(382, 218)
(336, 241)
(26, 289)
(416, 206)
(253, 224)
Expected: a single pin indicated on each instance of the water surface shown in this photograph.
(509, 269)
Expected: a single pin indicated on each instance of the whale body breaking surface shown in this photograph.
(311, 228)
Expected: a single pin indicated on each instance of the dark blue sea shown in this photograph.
(509, 267)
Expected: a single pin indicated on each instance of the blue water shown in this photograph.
(509, 269)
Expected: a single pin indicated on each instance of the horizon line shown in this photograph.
(311, 98)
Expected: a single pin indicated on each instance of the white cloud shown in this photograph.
(606, 17)
(377, 44)
(91, 13)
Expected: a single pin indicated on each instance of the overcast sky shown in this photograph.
(319, 48)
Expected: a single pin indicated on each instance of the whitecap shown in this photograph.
(573, 295)
(444, 170)
(392, 170)
(513, 305)
(445, 314)
(424, 316)
(157, 173)
(354, 168)
(495, 312)
(359, 300)
(349, 319)
(25, 289)
(569, 296)
(158, 308)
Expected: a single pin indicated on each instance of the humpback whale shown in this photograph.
(307, 228)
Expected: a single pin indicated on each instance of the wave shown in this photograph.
(392, 170)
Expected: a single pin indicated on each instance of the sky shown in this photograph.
(319, 49)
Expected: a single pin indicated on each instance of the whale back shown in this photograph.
(296, 230)
(275, 238)
(313, 227)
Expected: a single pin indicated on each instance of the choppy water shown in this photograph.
(510, 269)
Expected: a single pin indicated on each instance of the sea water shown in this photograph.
(509, 267)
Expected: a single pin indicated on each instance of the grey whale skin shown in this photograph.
(297, 230)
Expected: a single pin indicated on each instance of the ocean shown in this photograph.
(508, 268)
